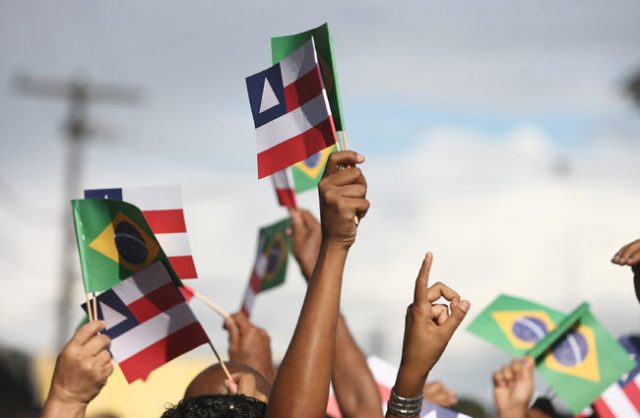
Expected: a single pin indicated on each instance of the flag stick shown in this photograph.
(214, 307)
(344, 140)
(89, 309)
(95, 306)
(224, 367)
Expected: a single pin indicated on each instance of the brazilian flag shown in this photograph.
(574, 353)
(307, 173)
(114, 242)
(273, 254)
(282, 46)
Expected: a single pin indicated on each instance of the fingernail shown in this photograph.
(464, 305)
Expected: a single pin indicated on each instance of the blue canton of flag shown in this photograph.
(266, 95)
(111, 194)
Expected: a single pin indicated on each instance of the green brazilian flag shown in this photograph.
(574, 353)
(114, 242)
(307, 173)
(282, 46)
(272, 254)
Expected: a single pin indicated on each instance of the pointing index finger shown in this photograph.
(420, 292)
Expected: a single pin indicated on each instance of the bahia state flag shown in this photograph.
(282, 46)
(290, 111)
(270, 267)
(285, 193)
(162, 208)
(308, 173)
(148, 321)
(574, 353)
(114, 242)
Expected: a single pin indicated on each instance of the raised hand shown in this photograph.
(82, 369)
(250, 345)
(428, 329)
(306, 235)
(629, 255)
(343, 201)
(513, 388)
(436, 392)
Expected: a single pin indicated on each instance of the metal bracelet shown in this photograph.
(404, 407)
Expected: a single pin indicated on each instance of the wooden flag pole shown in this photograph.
(224, 367)
(89, 308)
(95, 306)
(214, 307)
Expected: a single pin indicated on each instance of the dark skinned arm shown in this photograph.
(428, 329)
(301, 387)
(355, 388)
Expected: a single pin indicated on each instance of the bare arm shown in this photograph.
(428, 329)
(355, 388)
(301, 387)
(82, 369)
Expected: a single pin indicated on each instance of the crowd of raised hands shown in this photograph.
(322, 350)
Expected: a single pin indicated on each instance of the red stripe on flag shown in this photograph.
(633, 393)
(287, 198)
(184, 266)
(147, 360)
(187, 292)
(255, 281)
(602, 409)
(303, 89)
(165, 221)
(156, 302)
(296, 148)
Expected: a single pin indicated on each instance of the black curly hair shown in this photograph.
(217, 406)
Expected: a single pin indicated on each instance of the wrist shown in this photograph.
(60, 403)
(334, 245)
(512, 412)
(409, 383)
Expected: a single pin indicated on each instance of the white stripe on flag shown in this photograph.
(151, 331)
(174, 244)
(618, 403)
(249, 300)
(142, 283)
(293, 123)
(281, 179)
(262, 262)
(153, 198)
(298, 63)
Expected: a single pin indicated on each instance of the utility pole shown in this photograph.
(78, 130)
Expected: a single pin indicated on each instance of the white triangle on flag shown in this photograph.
(269, 98)
(110, 316)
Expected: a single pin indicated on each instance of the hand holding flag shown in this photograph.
(306, 237)
(630, 255)
(513, 388)
(82, 369)
(342, 198)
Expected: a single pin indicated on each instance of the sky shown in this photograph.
(497, 134)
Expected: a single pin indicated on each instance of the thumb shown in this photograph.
(457, 315)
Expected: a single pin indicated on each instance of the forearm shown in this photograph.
(355, 388)
(55, 407)
(302, 383)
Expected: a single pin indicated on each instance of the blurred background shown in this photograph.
(501, 135)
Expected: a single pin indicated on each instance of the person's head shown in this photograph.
(217, 406)
(211, 381)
